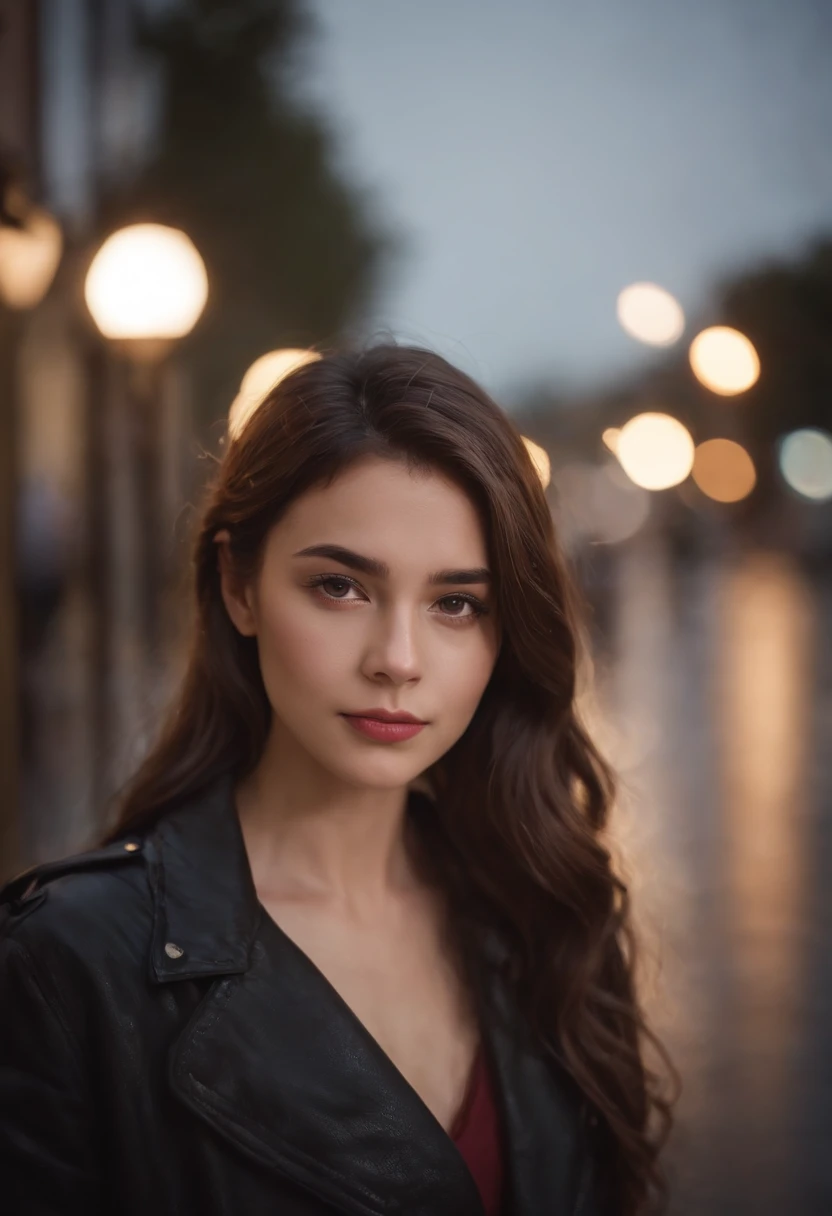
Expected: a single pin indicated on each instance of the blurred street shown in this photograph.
(716, 699)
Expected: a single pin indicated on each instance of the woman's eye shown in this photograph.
(329, 585)
(477, 608)
(329, 581)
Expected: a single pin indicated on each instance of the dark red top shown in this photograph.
(476, 1133)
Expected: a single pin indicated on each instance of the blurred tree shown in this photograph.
(292, 253)
(786, 311)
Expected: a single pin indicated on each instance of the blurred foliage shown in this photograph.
(293, 255)
(786, 311)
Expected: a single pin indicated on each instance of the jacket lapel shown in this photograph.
(277, 1063)
(540, 1108)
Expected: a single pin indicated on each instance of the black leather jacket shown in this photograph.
(166, 1048)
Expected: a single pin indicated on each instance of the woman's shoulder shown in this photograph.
(78, 906)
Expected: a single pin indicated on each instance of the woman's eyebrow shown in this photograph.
(379, 569)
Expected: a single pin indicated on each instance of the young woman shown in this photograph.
(354, 944)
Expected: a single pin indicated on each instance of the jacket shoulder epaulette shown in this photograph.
(26, 891)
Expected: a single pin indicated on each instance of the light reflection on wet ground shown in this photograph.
(714, 701)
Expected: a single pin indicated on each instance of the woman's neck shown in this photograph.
(315, 842)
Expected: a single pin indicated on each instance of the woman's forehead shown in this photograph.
(387, 503)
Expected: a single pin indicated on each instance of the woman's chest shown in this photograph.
(400, 982)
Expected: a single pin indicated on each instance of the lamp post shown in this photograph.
(146, 288)
(30, 249)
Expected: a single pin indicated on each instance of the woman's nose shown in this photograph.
(394, 650)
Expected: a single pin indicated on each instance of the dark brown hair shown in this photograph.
(523, 797)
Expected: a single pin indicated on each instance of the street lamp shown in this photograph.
(31, 244)
(260, 379)
(540, 460)
(146, 288)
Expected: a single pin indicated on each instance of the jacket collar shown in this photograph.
(277, 1063)
(205, 902)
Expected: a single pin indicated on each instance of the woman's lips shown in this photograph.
(384, 732)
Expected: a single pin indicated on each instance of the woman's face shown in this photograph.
(334, 639)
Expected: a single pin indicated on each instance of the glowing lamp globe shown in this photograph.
(146, 282)
(540, 460)
(261, 378)
(29, 257)
(610, 438)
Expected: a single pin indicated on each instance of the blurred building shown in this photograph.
(77, 107)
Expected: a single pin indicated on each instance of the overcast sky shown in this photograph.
(541, 154)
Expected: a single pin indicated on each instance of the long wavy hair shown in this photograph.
(522, 799)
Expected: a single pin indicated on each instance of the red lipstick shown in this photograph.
(384, 725)
(386, 715)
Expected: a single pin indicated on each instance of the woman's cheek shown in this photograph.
(473, 681)
(302, 645)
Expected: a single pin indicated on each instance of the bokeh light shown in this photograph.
(724, 360)
(29, 258)
(806, 463)
(598, 503)
(264, 373)
(610, 438)
(655, 450)
(723, 470)
(146, 281)
(650, 314)
(540, 459)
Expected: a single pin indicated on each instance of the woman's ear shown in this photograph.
(236, 595)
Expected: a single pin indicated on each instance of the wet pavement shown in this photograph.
(713, 698)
